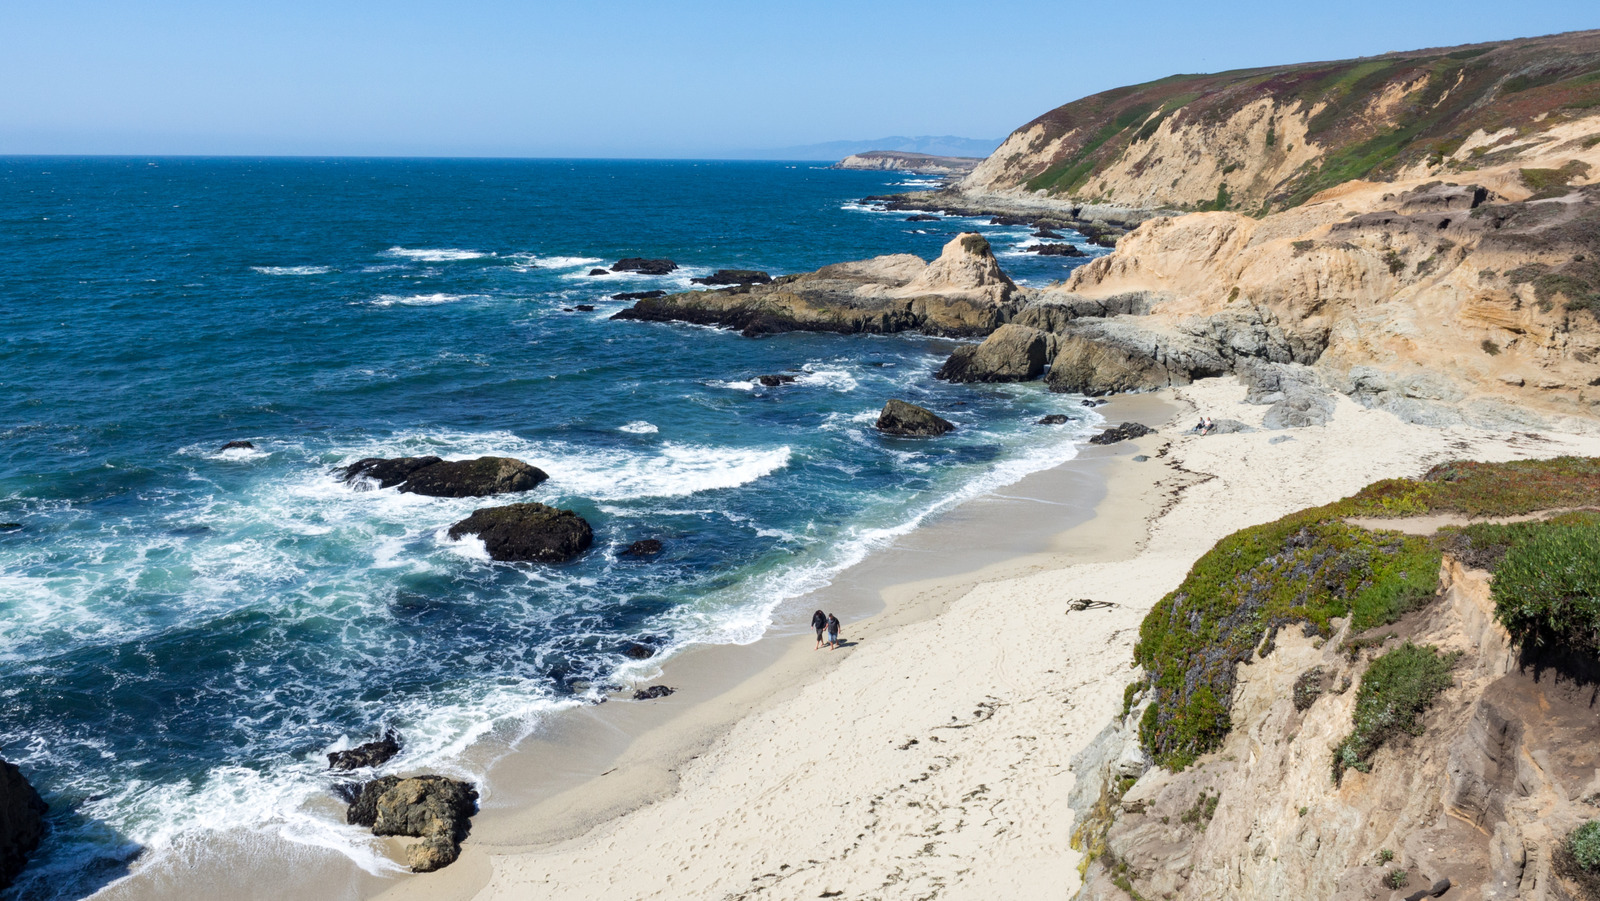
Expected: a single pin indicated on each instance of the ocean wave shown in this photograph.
(293, 270)
(638, 428)
(421, 300)
(436, 255)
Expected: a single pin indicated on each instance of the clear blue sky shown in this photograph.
(640, 79)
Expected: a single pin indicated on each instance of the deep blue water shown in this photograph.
(185, 632)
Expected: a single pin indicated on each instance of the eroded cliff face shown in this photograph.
(1268, 139)
(1478, 297)
(1501, 772)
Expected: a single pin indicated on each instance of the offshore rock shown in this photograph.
(639, 295)
(371, 754)
(1053, 250)
(648, 547)
(436, 809)
(644, 266)
(734, 277)
(524, 532)
(963, 293)
(911, 421)
(1125, 432)
(773, 381)
(1055, 419)
(599, 271)
(21, 822)
(431, 476)
(1013, 353)
(237, 445)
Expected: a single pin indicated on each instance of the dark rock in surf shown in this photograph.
(911, 421)
(1053, 250)
(648, 547)
(723, 277)
(773, 381)
(1047, 233)
(237, 445)
(10, 526)
(371, 754)
(431, 476)
(644, 266)
(527, 532)
(584, 307)
(653, 692)
(639, 295)
(1125, 432)
(599, 271)
(924, 217)
(638, 651)
(21, 822)
(1055, 419)
(436, 809)
(1010, 220)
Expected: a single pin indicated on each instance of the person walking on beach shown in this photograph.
(833, 632)
(819, 621)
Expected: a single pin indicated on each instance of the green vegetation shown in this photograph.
(1205, 807)
(1490, 348)
(1584, 846)
(1306, 568)
(1385, 855)
(1547, 183)
(1128, 695)
(1396, 690)
(1302, 246)
(1396, 878)
(1395, 262)
(1308, 688)
(1482, 489)
(1223, 201)
(1547, 587)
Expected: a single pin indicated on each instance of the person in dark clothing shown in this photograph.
(819, 621)
(833, 632)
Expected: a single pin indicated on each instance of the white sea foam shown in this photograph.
(293, 270)
(421, 300)
(436, 255)
(823, 377)
(638, 428)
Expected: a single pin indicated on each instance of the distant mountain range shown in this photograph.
(933, 145)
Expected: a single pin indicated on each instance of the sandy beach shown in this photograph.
(929, 757)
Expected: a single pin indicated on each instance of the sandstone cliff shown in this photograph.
(1255, 140)
(917, 163)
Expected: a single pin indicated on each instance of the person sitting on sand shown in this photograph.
(1206, 425)
(819, 621)
(833, 632)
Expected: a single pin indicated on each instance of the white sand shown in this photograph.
(821, 792)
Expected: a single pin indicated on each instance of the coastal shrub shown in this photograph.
(1482, 489)
(1397, 688)
(1546, 589)
(1395, 263)
(1396, 878)
(1483, 545)
(1584, 846)
(1302, 246)
(1304, 569)
(1490, 348)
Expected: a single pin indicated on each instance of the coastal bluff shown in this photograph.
(914, 163)
(963, 293)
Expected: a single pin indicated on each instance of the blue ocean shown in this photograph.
(185, 632)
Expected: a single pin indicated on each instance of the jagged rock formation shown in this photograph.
(911, 421)
(962, 293)
(436, 809)
(21, 821)
(434, 477)
(523, 532)
(1014, 353)
(919, 163)
(370, 754)
(727, 277)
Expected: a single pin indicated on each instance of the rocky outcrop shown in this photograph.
(639, 295)
(962, 293)
(1128, 431)
(21, 822)
(434, 477)
(1054, 250)
(644, 266)
(370, 754)
(527, 532)
(776, 381)
(726, 277)
(647, 547)
(911, 421)
(652, 693)
(237, 445)
(436, 809)
(900, 161)
(1014, 353)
